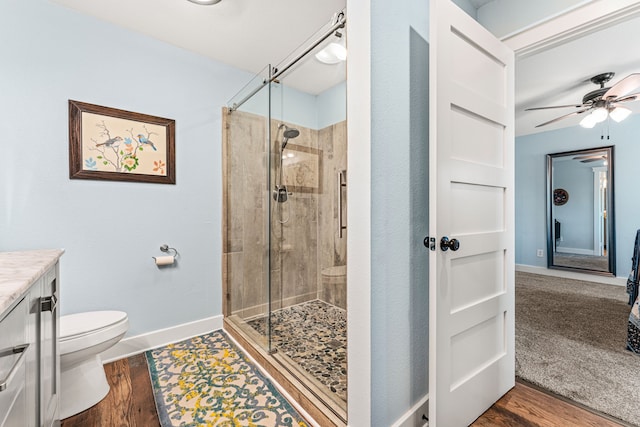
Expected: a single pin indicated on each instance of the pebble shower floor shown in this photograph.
(314, 335)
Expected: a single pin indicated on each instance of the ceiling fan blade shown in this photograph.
(593, 156)
(555, 106)
(627, 98)
(590, 160)
(575, 113)
(624, 86)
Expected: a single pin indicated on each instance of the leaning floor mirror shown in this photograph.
(580, 215)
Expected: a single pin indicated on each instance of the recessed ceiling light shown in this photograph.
(205, 2)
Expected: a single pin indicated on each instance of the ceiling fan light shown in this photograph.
(619, 113)
(599, 114)
(588, 122)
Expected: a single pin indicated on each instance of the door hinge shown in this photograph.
(48, 303)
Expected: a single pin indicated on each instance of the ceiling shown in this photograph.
(560, 76)
(249, 34)
(246, 34)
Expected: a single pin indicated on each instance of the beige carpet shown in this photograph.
(589, 262)
(571, 339)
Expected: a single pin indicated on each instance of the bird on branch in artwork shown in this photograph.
(110, 142)
(146, 141)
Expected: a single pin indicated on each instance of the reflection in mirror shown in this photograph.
(580, 226)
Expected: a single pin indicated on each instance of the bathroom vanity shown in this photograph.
(29, 352)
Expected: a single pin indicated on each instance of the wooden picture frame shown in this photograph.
(117, 145)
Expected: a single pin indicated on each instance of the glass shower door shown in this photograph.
(308, 232)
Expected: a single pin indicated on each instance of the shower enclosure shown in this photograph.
(284, 234)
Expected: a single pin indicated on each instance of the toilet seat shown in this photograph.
(82, 330)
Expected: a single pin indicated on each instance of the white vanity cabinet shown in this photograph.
(15, 396)
(49, 350)
(29, 331)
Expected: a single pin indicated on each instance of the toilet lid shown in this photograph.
(83, 323)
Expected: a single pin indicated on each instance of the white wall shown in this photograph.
(110, 230)
(531, 151)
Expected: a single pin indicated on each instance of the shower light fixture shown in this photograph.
(333, 53)
(205, 2)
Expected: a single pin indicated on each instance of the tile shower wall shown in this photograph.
(303, 244)
(333, 249)
(244, 215)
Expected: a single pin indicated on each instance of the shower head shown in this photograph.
(289, 133)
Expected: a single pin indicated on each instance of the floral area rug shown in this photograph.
(208, 381)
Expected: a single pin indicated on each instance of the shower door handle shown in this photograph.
(341, 183)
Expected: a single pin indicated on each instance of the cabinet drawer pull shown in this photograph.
(48, 303)
(12, 373)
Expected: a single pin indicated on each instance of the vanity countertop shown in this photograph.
(19, 270)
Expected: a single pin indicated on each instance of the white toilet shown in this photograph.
(83, 336)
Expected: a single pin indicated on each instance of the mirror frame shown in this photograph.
(611, 241)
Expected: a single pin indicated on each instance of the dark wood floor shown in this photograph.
(130, 403)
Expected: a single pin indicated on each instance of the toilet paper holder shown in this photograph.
(165, 248)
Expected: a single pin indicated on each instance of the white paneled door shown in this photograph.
(471, 205)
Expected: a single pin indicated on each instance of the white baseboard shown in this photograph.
(134, 345)
(618, 281)
(578, 251)
(413, 417)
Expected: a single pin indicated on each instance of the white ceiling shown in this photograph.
(249, 34)
(560, 76)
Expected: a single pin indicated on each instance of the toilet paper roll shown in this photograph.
(164, 260)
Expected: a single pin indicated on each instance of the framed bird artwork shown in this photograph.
(111, 144)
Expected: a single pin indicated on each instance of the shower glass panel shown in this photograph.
(308, 234)
(246, 216)
(285, 194)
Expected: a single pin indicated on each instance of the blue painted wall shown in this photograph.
(467, 7)
(332, 105)
(399, 143)
(531, 151)
(301, 108)
(110, 230)
(576, 216)
(503, 17)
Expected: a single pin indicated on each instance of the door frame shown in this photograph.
(583, 20)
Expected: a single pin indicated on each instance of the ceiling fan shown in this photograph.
(591, 158)
(601, 103)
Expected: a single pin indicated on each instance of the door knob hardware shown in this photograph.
(446, 244)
